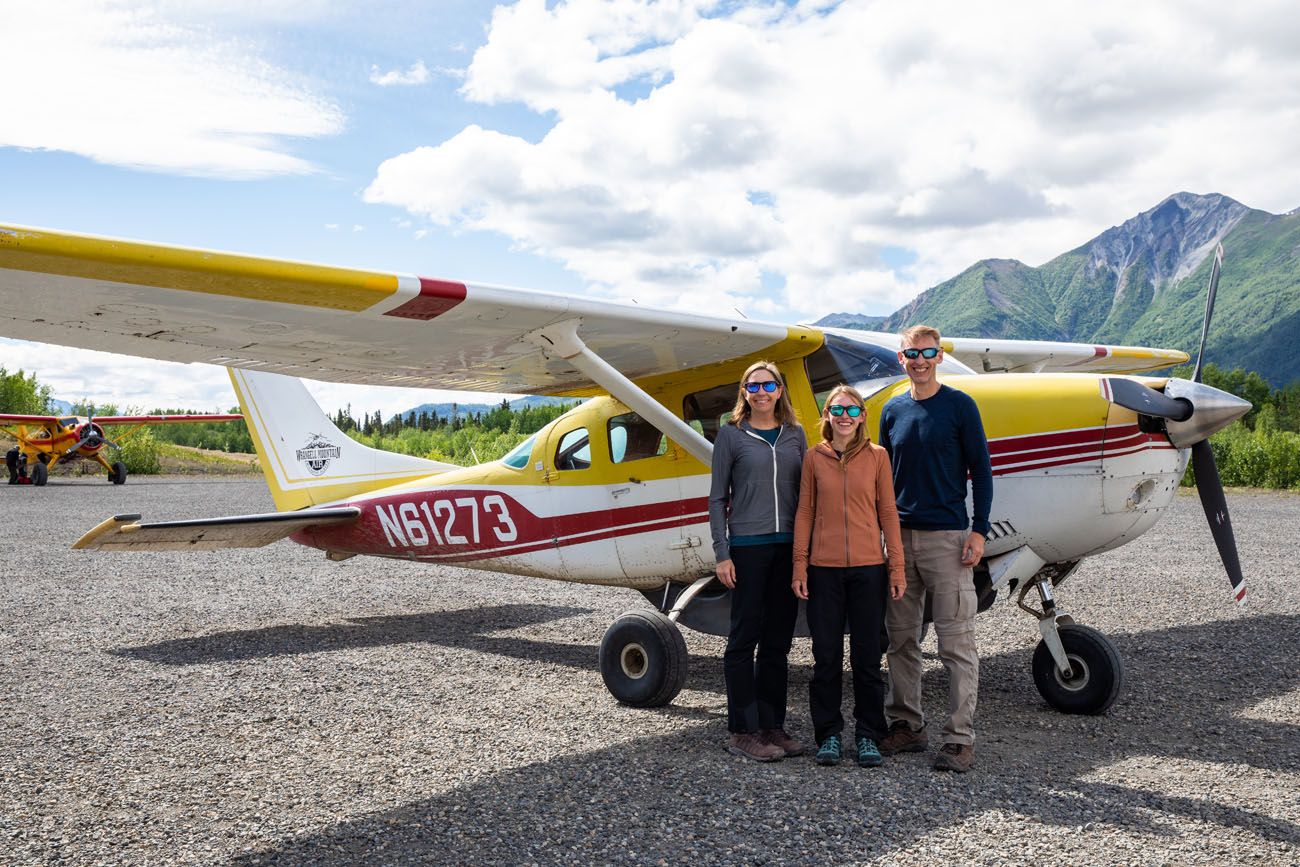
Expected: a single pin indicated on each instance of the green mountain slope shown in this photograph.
(1143, 283)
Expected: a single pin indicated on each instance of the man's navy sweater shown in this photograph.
(933, 444)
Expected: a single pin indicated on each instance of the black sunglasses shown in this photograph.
(770, 386)
(928, 352)
(838, 410)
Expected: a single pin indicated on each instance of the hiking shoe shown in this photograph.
(829, 751)
(955, 757)
(781, 738)
(901, 739)
(751, 746)
(868, 755)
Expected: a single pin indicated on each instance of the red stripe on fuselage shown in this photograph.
(436, 298)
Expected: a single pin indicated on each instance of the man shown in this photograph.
(935, 439)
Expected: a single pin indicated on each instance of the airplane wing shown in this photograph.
(126, 533)
(1045, 356)
(104, 420)
(339, 324)
(49, 422)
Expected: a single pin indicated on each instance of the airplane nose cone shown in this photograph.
(1212, 411)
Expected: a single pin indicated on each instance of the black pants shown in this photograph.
(857, 594)
(763, 611)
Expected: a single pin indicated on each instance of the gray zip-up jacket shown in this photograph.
(755, 485)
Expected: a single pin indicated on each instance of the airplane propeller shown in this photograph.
(1192, 411)
(91, 436)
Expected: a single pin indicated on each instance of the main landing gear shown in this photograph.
(643, 654)
(1076, 668)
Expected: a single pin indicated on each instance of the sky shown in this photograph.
(780, 159)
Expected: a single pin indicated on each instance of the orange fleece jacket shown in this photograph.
(843, 508)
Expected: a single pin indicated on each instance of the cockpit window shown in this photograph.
(67, 422)
(865, 366)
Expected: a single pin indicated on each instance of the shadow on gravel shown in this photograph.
(681, 798)
(462, 628)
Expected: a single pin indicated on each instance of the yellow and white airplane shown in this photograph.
(42, 441)
(1085, 456)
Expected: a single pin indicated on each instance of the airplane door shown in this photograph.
(645, 492)
(581, 521)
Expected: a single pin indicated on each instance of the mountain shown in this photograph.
(444, 410)
(1141, 283)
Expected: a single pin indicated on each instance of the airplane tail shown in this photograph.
(306, 459)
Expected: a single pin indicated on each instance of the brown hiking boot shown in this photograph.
(955, 757)
(901, 739)
(752, 746)
(781, 738)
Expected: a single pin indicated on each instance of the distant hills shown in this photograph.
(464, 410)
(1140, 283)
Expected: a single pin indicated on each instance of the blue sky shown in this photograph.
(784, 159)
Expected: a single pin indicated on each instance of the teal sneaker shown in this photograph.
(829, 751)
(868, 754)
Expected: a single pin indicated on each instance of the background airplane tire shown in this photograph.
(118, 475)
(1099, 673)
(11, 464)
(643, 659)
(40, 474)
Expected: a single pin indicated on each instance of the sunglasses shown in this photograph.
(928, 352)
(769, 386)
(837, 410)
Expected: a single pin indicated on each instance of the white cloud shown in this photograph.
(123, 85)
(966, 132)
(418, 73)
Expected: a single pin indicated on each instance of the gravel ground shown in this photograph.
(270, 707)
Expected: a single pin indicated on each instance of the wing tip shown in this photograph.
(117, 523)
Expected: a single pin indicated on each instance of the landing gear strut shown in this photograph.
(1076, 668)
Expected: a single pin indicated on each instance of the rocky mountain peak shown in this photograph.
(1166, 243)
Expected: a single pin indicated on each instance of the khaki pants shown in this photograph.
(933, 559)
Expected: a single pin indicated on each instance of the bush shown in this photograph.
(1263, 458)
(139, 452)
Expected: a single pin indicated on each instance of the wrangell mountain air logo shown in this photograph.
(317, 453)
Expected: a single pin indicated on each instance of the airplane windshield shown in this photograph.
(518, 456)
(67, 422)
(865, 366)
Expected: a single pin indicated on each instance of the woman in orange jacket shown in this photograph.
(846, 504)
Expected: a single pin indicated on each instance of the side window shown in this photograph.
(707, 411)
(574, 452)
(632, 438)
(518, 457)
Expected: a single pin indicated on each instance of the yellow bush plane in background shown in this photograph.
(46, 440)
(1085, 457)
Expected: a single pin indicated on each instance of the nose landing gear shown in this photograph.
(1076, 668)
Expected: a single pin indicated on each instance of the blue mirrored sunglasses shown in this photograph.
(769, 386)
(928, 352)
(853, 411)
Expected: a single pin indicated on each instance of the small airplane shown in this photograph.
(46, 440)
(1086, 455)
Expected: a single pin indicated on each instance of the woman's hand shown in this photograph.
(727, 574)
(897, 587)
(800, 586)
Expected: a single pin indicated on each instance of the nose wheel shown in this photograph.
(1076, 668)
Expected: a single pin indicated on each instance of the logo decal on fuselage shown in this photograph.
(317, 453)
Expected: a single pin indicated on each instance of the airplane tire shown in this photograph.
(118, 475)
(643, 659)
(40, 474)
(1098, 672)
(11, 464)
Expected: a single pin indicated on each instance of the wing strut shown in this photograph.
(562, 338)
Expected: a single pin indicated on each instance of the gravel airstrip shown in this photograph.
(270, 707)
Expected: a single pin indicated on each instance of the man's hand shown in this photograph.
(973, 550)
(800, 586)
(897, 587)
(727, 574)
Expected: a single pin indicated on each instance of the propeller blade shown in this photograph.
(1142, 399)
(1216, 512)
(1209, 309)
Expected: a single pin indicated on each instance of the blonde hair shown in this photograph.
(860, 437)
(784, 409)
(916, 332)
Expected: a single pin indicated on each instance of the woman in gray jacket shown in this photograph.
(757, 460)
